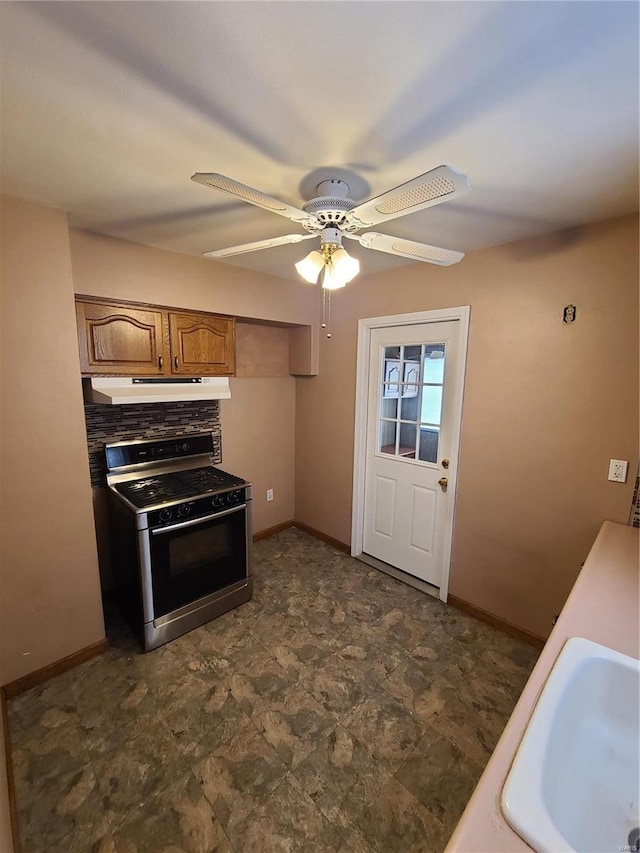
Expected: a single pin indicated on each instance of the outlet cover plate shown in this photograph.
(618, 470)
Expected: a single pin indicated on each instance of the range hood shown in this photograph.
(120, 390)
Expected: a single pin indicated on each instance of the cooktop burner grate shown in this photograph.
(177, 485)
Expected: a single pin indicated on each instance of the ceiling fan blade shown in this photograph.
(249, 194)
(259, 244)
(441, 184)
(408, 248)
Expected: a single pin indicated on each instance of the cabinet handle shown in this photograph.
(175, 361)
(159, 362)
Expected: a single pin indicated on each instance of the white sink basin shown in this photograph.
(575, 781)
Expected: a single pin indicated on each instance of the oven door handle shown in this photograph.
(193, 521)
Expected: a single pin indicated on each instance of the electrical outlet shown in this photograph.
(618, 470)
(269, 494)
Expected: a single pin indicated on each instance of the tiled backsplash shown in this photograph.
(147, 420)
(634, 517)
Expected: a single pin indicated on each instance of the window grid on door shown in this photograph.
(410, 401)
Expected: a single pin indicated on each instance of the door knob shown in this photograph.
(443, 481)
(445, 463)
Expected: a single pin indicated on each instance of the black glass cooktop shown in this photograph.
(177, 485)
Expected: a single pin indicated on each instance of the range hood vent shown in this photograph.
(118, 391)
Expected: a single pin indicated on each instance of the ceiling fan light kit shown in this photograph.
(338, 265)
(333, 215)
(311, 266)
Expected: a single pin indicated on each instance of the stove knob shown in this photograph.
(186, 446)
(217, 500)
(233, 497)
(183, 510)
(166, 514)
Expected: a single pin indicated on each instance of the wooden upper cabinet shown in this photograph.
(202, 344)
(118, 339)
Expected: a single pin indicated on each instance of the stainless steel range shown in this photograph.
(180, 535)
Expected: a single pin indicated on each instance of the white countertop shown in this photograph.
(604, 607)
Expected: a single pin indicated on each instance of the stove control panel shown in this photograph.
(198, 508)
(123, 454)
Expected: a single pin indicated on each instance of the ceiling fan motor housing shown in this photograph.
(333, 187)
(331, 206)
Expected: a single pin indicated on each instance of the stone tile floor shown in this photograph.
(339, 710)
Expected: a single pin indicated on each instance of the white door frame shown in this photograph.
(365, 326)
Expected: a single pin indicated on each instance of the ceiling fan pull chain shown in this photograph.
(326, 311)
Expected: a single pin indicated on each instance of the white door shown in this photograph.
(414, 407)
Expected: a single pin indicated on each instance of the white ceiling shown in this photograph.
(109, 107)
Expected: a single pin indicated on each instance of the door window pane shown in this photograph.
(408, 440)
(388, 403)
(387, 437)
(409, 407)
(433, 370)
(413, 353)
(431, 404)
(391, 376)
(392, 352)
(428, 450)
(410, 379)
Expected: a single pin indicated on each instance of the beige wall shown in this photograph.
(50, 598)
(261, 351)
(106, 266)
(258, 423)
(258, 435)
(546, 405)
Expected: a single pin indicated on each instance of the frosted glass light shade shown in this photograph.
(310, 267)
(333, 279)
(346, 266)
(339, 268)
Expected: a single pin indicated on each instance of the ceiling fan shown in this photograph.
(333, 215)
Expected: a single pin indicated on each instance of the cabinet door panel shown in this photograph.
(202, 345)
(119, 340)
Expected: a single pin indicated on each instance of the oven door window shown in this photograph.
(191, 562)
